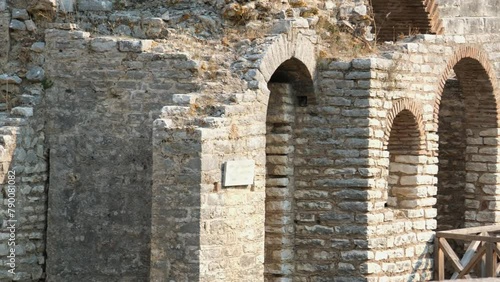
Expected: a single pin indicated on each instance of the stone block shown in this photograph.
(67, 6)
(22, 111)
(95, 5)
(35, 74)
(283, 26)
(38, 47)
(20, 14)
(363, 64)
(357, 255)
(7, 79)
(17, 25)
(417, 180)
(490, 178)
(103, 44)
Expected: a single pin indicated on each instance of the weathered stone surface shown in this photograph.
(30, 25)
(350, 170)
(35, 74)
(95, 5)
(38, 47)
(14, 79)
(22, 111)
(134, 45)
(17, 25)
(103, 44)
(20, 14)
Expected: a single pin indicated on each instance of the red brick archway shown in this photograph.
(470, 53)
(466, 115)
(411, 106)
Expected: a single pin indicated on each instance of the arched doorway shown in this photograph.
(404, 252)
(468, 153)
(291, 89)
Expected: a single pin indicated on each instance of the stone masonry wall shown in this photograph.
(409, 254)
(104, 96)
(280, 181)
(452, 144)
(24, 194)
(77, 117)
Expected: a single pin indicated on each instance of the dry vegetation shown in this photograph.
(338, 43)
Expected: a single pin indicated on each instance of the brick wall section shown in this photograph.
(104, 96)
(394, 18)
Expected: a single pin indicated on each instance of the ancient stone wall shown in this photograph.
(105, 92)
(469, 16)
(345, 183)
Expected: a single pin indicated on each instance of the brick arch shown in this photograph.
(287, 69)
(285, 48)
(414, 108)
(465, 52)
(398, 16)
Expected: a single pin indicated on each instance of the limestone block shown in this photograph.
(283, 205)
(3, 5)
(491, 141)
(300, 23)
(357, 255)
(66, 5)
(488, 216)
(417, 179)
(431, 169)
(485, 158)
(472, 166)
(490, 189)
(277, 160)
(7, 79)
(430, 212)
(30, 25)
(425, 237)
(17, 25)
(403, 167)
(416, 213)
(283, 26)
(136, 46)
(316, 205)
(278, 170)
(95, 5)
(35, 74)
(370, 268)
(38, 47)
(490, 178)
(22, 111)
(184, 99)
(103, 44)
(408, 204)
(409, 159)
(364, 64)
(20, 14)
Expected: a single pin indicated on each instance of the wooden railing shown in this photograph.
(480, 259)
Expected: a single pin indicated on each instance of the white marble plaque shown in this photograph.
(237, 173)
